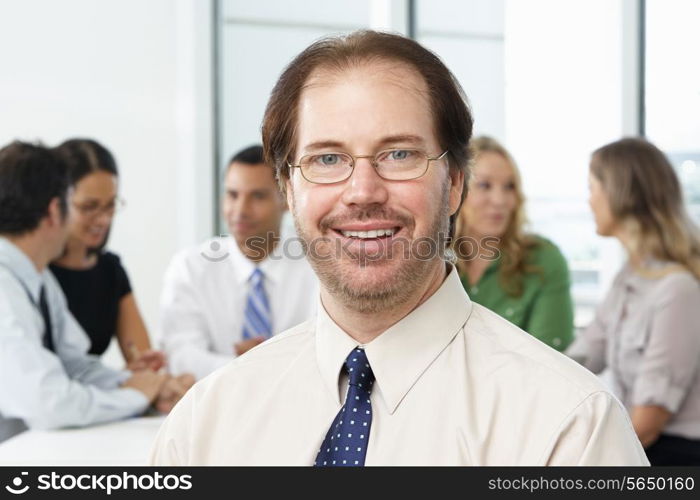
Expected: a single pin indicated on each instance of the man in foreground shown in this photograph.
(369, 137)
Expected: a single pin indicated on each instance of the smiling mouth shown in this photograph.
(382, 233)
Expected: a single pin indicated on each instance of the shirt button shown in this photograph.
(556, 341)
(475, 289)
(509, 311)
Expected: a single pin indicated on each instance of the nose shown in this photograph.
(365, 186)
(498, 196)
(104, 217)
(242, 205)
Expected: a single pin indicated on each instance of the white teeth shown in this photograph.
(375, 233)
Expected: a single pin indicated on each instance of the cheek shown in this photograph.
(77, 222)
(268, 208)
(512, 202)
(420, 202)
(594, 202)
(311, 203)
(474, 203)
(605, 215)
(227, 207)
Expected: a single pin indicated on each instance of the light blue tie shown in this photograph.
(257, 319)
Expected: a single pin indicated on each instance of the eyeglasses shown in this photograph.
(391, 164)
(92, 209)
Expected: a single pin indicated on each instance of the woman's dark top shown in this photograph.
(93, 297)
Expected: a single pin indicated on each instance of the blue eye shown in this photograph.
(329, 159)
(399, 154)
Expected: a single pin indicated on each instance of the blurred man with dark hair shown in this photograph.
(46, 378)
(228, 295)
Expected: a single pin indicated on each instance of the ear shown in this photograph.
(54, 216)
(288, 191)
(456, 188)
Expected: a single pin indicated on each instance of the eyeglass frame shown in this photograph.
(373, 161)
(119, 204)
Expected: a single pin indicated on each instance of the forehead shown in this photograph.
(363, 103)
(242, 176)
(493, 163)
(96, 184)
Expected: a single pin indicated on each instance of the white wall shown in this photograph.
(135, 75)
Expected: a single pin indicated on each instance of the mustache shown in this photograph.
(365, 213)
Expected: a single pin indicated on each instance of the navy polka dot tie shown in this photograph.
(346, 441)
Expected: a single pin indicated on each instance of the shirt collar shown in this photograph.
(402, 353)
(651, 270)
(287, 248)
(21, 266)
(243, 267)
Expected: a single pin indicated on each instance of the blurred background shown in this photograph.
(174, 87)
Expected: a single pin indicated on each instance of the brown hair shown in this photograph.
(451, 114)
(515, 244)
(645, 197)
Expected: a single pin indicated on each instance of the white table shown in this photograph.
(127, 442)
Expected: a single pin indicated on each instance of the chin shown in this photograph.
(498, 233)
(94, 242)
(602, 229)
(492, 232)
(367, 268)
(241, 238)
(360, 275)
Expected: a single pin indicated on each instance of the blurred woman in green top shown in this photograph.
(522, 277)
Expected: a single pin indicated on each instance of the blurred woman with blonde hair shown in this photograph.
(647, 330)
(521, 276)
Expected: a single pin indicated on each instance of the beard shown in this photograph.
(377, 293)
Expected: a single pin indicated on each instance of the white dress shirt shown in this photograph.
(205, 293)
(455, 385)
(39, 388)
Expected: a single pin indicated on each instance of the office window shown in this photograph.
(563, 99)
(672, 84)
(468, 36)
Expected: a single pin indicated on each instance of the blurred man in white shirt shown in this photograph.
(228, 295)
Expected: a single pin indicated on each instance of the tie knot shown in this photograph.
(358, 368)
(256, 277)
